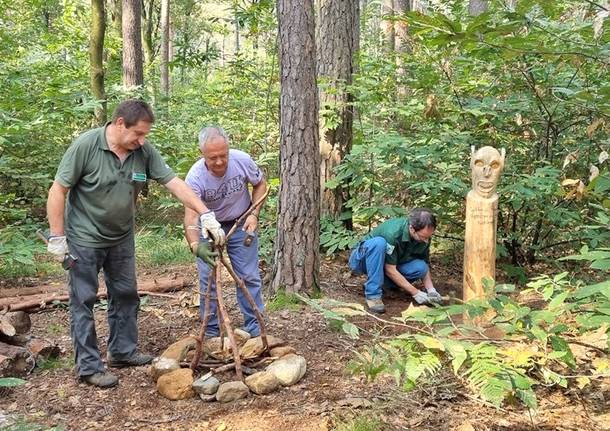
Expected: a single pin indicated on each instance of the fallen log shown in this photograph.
(20, 320)
(15, 361)
(36, 302)
(42, 350)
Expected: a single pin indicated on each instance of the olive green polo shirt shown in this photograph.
(401, 247)
(103, 191)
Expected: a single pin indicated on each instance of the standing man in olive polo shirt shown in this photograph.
(104, 170)
(396, 254)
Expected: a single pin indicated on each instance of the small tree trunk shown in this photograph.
(133, 70)
(147, 31)
(338, 40)
(96, 57)
(297, 256)
(387, 25)
(164, 72)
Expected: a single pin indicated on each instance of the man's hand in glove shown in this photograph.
(211, 227)
(203, 250)
(58, 246)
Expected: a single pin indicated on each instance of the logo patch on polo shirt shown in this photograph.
(139, 177)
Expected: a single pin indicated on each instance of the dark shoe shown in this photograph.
(136, 360)
(376, 305)
(102, 379)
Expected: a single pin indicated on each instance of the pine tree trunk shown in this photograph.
(96, 57)
(133, 70)
(164, 72)
(337, 44)
(297, 258)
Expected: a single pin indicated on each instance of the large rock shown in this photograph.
(177, 385)
(232, 391)
(254, 346)
(262, 383)
(208, 386)
(212, 346)
(280, 351)
(179, 349)
(161, 366)
(288, 369)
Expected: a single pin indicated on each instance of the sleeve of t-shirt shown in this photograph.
(191, 181)
(253, 172)
(72, 163)
(157, 169)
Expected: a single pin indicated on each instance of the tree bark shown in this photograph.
(96, 58)
(337, 44)
(116, 12)
(147, 31)
(477, 7)
(297, 257)
(387, 25)
(133, 69)
(164, 72)
(15, 361)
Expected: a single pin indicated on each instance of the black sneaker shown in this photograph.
(102, 379)
(136, 360)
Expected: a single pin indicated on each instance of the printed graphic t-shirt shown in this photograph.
(227, 196)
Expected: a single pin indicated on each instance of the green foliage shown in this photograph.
(7, 382)
(283, 301)
(162, 245)
(534, 350)
(22, 254)
(361, 423)
(335, 237)
(531, 80)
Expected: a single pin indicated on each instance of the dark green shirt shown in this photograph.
(103, 191)
(401, 247)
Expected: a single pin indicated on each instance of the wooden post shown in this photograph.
(481, 220)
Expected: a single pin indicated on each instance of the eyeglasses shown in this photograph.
(418, 235)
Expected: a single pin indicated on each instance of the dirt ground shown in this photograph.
(327, 398)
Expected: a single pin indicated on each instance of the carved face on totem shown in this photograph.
(486, 163)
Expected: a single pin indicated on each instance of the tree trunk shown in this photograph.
(164, 72)
(337, 43)
(477, 7)
(387, 25)
(297, 256)
(147, 31)
(401, 30)
(96, 58)
(133, 70)
(116, 12)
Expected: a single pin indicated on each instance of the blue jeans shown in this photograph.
(244, 261)
(368, 257)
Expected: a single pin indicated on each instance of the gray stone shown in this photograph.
(288, 369)
(232, 391)
(262, 383)
(161, 366)
(208, 398)
(208, 386)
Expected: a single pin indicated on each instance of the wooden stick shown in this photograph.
(250, 300)
(204, 323)
(226, 321)
(247, 213)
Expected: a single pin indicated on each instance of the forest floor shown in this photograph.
(327, 398)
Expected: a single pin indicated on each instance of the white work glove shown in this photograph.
(434, 296)
(421, 298)
(210, 226)
(58, 246)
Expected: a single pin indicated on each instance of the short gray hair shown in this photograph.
(421, 218)
(210, 132)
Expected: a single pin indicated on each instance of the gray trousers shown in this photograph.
(118, 263)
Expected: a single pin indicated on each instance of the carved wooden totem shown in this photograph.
(481, 220)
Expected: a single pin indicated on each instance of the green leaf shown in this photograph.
(429, 342)
(560, 345)
(350, 329)
(11, 381)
